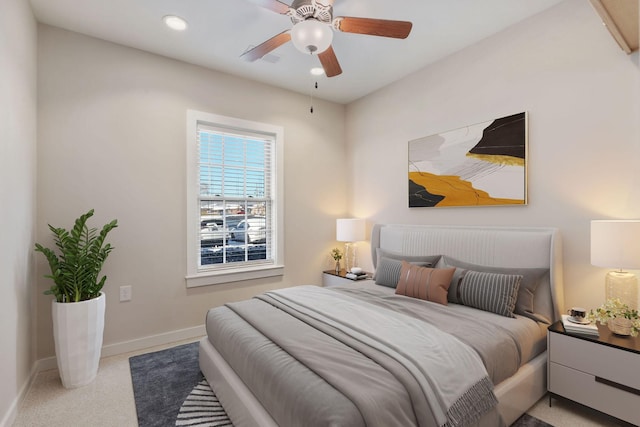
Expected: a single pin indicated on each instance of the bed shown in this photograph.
(364, 354)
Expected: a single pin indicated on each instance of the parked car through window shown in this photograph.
(251, 230)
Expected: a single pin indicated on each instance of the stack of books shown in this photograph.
(356, 276)
(587, 329)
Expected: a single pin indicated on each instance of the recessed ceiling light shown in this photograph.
(175, 22)
(317, 71)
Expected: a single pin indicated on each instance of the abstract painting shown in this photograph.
(478, 165)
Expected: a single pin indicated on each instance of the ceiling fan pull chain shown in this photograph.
(311, 97)
(315, 86)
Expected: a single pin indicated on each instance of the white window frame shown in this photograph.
(228, 272)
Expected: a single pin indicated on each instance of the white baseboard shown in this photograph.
(154, 340)
(134, 345)
(10, 416)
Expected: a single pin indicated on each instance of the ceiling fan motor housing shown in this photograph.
(305, 9)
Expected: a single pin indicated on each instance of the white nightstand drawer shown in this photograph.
(582, 387)
(596, 359)
(329, 280)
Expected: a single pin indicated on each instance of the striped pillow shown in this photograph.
(388, 271)
(430, 284)
(531, 278)
(492, 292)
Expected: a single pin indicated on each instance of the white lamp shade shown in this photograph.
(311, 36)
(350, 230)
(615, 243)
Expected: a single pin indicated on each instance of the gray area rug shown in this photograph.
(527, 420)
(170, 390)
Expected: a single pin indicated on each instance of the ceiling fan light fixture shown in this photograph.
(317, 71)
(311, 36)
(175, 22)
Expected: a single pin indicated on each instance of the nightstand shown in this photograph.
(602, 373)
(330, 278)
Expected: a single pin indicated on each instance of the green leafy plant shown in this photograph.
(336, 254)
(82, 253)
(614, 308)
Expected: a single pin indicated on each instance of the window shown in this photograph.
(234, 199)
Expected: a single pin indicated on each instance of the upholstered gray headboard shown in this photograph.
(518, 247)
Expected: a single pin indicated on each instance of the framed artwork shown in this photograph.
(477, 165)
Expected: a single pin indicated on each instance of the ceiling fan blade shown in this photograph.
(273, 5)
(330, 62)
(265, 47)
(373, 27)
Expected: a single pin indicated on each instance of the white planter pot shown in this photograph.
(77, 330)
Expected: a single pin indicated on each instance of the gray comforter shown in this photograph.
(308, 371)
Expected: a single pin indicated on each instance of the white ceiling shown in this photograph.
(221, 30)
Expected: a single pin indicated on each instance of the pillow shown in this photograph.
(388, 271)
(492, 292)
(531, 278)
(430, 284)
(433, 259)
(424, 260)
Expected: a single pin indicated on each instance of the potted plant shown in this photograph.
(337, 256)
(619, 317)
(79, 305)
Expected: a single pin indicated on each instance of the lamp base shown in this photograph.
(623, 286)
(350, 256)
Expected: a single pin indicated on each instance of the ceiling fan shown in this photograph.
(312, 31)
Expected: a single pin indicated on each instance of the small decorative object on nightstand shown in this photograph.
(612, 311)
(356, 273)
(582, 328)
(599, 372)
(337, 256)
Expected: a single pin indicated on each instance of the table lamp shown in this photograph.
(616, 243)
(350, 231)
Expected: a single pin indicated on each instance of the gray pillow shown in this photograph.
(387, 273)
(531, 278)
(412, 259)
(492, 292)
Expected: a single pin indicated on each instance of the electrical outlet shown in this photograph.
(125, 293)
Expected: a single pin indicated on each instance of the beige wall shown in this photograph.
(112, 129)
(17, 200)
(582, 95)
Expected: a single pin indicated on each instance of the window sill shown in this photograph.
(226, 276)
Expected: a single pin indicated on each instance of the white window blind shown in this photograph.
(235, 194)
